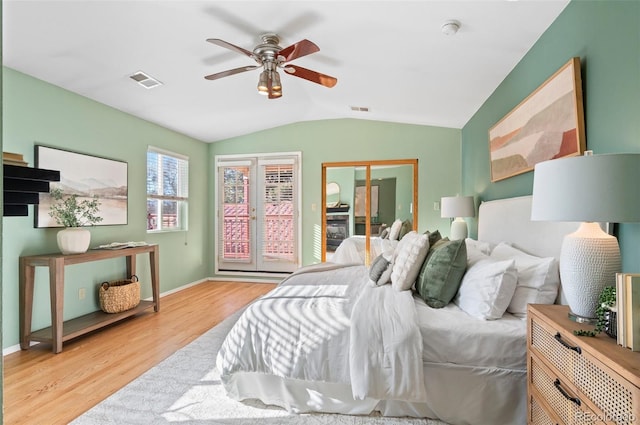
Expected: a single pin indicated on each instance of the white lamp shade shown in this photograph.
(457, 206)
(596, 188)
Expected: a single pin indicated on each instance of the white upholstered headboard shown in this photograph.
(510, 220)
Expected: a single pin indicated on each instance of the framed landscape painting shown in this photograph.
(548, 124)
(86, 176)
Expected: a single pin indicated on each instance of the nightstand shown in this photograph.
(578, 380)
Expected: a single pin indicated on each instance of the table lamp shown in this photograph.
(590, 189)
(457, 207)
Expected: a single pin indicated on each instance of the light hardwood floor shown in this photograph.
(45, 388)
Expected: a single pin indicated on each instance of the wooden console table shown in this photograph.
(63, 331)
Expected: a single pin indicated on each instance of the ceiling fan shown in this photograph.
(271, 57)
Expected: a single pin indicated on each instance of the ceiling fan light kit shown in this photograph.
(270, 56)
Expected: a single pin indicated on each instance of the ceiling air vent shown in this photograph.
(360, 108)
(145, 80)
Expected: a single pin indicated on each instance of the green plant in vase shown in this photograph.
(73, 214)
(606, 300)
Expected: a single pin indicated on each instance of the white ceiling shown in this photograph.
(389, 56)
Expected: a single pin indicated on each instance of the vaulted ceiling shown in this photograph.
(388, 56)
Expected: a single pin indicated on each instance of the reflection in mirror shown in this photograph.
(373, 194)
(333, 195)
(395, 189)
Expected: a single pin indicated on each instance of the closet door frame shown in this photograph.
(367, 165)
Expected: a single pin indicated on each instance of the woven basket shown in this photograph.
(119, 295)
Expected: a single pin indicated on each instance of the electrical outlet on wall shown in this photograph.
(82, 293)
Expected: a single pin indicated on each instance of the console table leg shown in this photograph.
(131, 262)
(26, 280)
(154, 263)
(56, 288)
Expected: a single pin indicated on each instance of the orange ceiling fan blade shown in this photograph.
(298, 50)
(313, 76)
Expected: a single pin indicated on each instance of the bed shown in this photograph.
(352, 249)
(327, 340)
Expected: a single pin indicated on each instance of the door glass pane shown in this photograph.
(278, 225)
(235, 235)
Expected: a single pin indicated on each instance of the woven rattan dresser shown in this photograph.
(578, 380)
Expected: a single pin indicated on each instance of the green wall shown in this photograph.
(39, 113)
(437, 149)
(606, 37)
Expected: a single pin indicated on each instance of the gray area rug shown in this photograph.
(185, 388)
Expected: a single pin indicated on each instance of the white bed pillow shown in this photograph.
(487, 288)
(484, 247)
(394, 231)
(409, 256)
(538, 278)
(476, 251)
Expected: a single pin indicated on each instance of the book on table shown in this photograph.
(621, 310)
(632, 310)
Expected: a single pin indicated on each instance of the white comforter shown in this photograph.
(325, 323)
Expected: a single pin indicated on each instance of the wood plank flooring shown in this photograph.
(45, 388)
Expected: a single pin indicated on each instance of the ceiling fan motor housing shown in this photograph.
(269, 49)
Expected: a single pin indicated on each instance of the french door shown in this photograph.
(257, 213)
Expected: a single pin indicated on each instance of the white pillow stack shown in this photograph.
(409, 256)
(504, 278)
(538, 278)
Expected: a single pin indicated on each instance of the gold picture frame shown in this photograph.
(548, 124)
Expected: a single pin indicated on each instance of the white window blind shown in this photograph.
(167, 190)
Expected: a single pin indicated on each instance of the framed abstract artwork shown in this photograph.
(548, 124)
(86, 176)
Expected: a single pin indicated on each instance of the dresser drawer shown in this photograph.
(615, 397)
(539, 416)
(567, 405)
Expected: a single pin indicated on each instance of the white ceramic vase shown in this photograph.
(74, 240)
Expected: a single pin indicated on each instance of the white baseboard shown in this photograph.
(274, 279)
(15, 348)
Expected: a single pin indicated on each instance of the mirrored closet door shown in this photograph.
(361, 199)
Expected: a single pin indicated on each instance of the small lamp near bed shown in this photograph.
(457, 207)
(590, 189)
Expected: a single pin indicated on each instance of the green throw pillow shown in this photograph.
(442, 272)
(406, 228)
(433, 237)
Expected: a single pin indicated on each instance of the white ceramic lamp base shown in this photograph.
(589, 261)
(458, 229)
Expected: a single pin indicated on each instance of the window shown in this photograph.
(167, 190)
